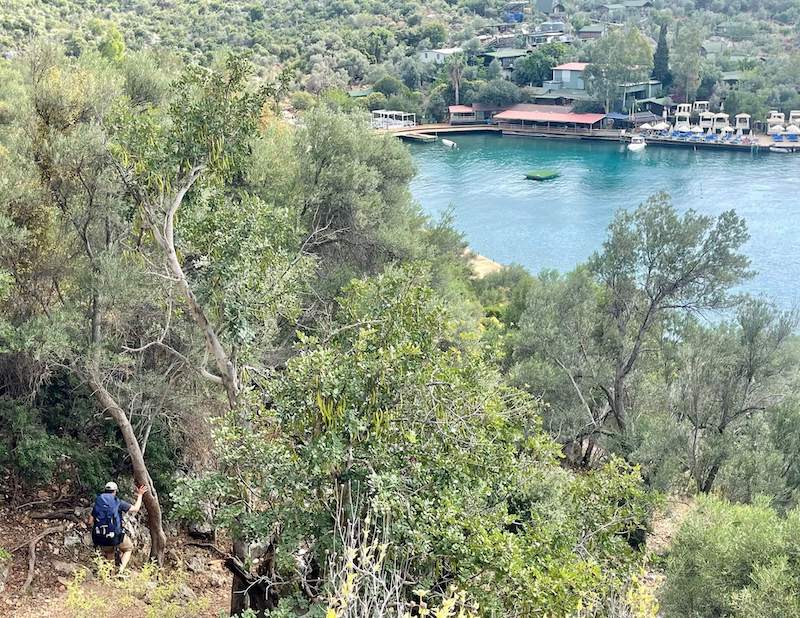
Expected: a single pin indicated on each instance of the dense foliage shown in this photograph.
(257, 315)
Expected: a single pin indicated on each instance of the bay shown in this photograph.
(557, 224)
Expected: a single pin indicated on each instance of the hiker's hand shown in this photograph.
(142, 489)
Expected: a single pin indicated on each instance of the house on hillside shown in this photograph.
(550, 32)
(502, 40)
(438, 56)
(506, 57)
(648, 89)
(568, 86)
(568, 76)
(732, 78)
(592, 31)
(715, 46)
(620, 10)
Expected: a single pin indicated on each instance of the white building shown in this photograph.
(438, 56)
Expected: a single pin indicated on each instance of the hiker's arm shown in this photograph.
(140, 491)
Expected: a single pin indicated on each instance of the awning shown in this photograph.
(558, 117)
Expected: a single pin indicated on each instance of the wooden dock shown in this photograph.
(437, 129)
(419, 137)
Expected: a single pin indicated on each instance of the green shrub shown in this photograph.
(25, 446)
(302, 100)
(734, 560)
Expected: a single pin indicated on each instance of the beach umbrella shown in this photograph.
(646, 126)
(793, 128)
(726, 129)
(696, 129)
(775, 129)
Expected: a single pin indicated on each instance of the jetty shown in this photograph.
(419, 137)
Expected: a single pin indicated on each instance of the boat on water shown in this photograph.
(448, 144)
(637, 144)
(784, 149)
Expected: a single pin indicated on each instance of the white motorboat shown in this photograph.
(637, 144)
(448, 144)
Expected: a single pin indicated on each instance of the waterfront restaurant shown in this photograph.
(520, 120)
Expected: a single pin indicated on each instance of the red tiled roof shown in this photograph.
(460, 109)
(572, 66)
(539, 116)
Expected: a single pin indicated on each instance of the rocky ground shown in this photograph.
(193, 583)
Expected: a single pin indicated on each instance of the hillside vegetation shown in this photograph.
(253, 319)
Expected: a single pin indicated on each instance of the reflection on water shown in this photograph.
(558, 223)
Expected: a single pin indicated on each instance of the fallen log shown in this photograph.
(32, 553)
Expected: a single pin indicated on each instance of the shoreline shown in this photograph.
(420, 132)
(481, 265)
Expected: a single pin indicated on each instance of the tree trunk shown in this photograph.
(239, 597)
(708, 482)
(619, 404)
(158, 539)
(251, 591)
(165, 238)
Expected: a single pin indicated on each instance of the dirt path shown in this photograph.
(666, 523)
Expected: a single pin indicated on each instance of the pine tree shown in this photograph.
(661, 59)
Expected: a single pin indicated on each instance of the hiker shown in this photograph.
(106, 523)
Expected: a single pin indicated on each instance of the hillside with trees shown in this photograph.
(215, 284)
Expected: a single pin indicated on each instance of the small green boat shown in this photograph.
(542, 175)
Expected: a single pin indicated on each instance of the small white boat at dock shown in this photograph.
(637, 144)
(448, 144)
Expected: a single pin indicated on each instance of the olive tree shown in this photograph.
(587, 332)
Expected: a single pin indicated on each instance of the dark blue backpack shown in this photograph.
(107, 529)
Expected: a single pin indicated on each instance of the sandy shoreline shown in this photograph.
(481, 265)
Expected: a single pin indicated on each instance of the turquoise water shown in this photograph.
(559, 223)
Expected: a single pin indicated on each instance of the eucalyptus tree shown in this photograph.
(70, 250)
(686, 60)
(621, 57)
(236, 261)
(190, 159)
